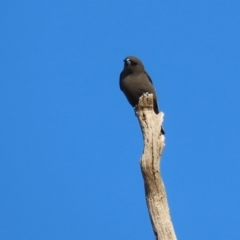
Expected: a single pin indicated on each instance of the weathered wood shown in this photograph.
(155, 193)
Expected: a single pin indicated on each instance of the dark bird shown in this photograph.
(134, 82)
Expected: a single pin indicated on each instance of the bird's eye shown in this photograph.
(133, 63)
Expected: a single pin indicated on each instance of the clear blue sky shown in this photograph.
(70, 143)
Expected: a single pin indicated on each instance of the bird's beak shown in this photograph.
(127, 61)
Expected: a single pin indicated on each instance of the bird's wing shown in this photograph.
(120, 81)
(148, 77)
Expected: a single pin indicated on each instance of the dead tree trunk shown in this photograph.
(155, 193)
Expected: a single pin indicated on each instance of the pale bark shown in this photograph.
(154, 187)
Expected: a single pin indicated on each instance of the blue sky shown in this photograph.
(70, 143)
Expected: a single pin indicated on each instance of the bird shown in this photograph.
(134, 81)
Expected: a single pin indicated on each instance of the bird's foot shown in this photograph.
(145, 93)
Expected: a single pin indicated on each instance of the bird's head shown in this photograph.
(133, 64)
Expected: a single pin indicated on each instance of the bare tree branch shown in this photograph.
(154, 187)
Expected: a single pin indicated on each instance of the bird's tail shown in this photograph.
(162, 131)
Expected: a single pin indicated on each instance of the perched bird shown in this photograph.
(134, 82)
